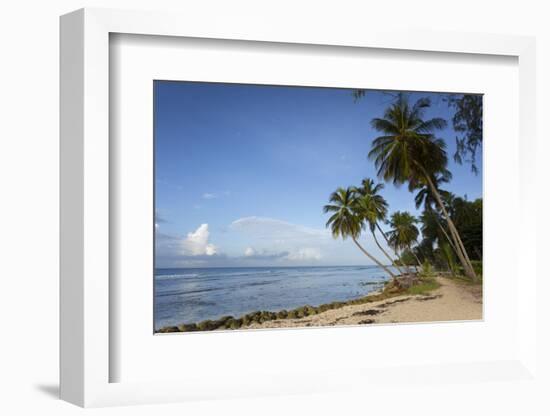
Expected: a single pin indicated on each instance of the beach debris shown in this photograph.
(424, 298)
(393, 302)
(369, 312)
(366, 322)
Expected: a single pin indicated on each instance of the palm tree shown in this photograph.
(409, 152)
(345, 220)
(373, 208)
(425, 197)
(404, 232)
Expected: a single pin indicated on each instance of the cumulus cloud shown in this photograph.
(249, 251)
(196, 243)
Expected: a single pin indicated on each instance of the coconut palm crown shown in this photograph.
(347, 220)
(371, 204)
(344, 221)
(408, 149)
(404, 231)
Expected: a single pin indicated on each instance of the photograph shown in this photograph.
(299, 206)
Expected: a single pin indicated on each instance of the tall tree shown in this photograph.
(373, 208)
(425, 197)
(404, 232)
(346, 221)
(408, 151)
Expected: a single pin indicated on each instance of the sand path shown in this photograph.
(454, 300)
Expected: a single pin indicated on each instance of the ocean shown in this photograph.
(193, 295)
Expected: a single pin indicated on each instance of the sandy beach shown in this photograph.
(453, 300)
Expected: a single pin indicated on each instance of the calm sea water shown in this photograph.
(193, 295)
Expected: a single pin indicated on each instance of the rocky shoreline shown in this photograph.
(374, 308)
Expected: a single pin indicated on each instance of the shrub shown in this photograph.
(292, 314)
(427, 269)
(268, 316)
(168, 329)
(207, 325)
(309, 310)
(233, 323)
(282, 314)
(188, 327)
(324, 307)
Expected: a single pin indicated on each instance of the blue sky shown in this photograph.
(242, 172)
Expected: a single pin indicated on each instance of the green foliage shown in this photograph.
(292, 314)
(168, 329)
(234, 323)
(370, 205)
(344, 221)
(207, 325)
(404, 231)
(408, 150)
(352, 209)
(467, 217)
(427, 269)
(449, 257)
(425, 287)
(407, 258)
(478, 267)
(188, 328)
(282, 314)
(468, 122)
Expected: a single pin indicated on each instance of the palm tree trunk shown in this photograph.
(462, 254)
(385, 253)
(448, 238)
(373, 258)
(415, 256)
(389, 245)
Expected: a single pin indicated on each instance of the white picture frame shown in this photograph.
(86, 355)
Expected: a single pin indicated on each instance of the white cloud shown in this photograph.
(197, 244)
(274, 239)
(278, 231)
(208, 195)
(304, 254)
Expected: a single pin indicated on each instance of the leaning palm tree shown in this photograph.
(408, 151)
(425, 197)
(346, 221)
(373, 208)
(404, 232)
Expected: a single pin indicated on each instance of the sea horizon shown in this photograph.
(270, 267)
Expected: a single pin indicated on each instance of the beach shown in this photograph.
(427, 299)
(189, 295)
(454, 300)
